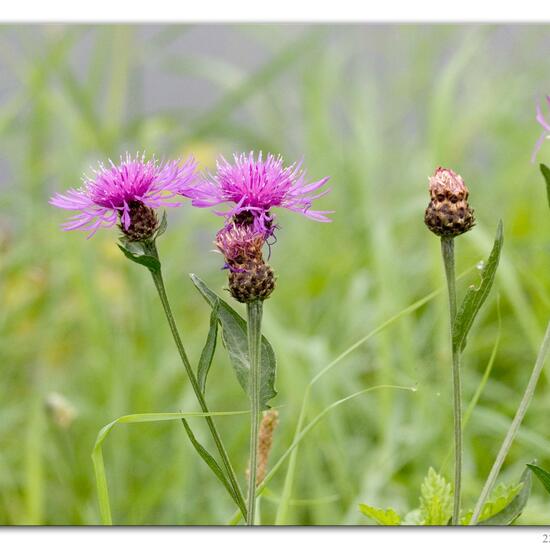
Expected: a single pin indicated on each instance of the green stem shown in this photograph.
(159, 283)
(448, 253)
(254, 312)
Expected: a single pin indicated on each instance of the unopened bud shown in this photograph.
(448, 214)
(250, 278)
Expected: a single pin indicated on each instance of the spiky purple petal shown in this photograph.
(106, 196)
(256, 186)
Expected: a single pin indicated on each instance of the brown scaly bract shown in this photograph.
(448, 214)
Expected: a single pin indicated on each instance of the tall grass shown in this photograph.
(377, 107)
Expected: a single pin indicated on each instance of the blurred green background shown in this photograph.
(376, 107)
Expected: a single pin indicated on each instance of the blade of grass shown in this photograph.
(97, 453)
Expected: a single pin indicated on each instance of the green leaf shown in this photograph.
(209, 348)
(162, 226)
(545, 171)
(211, 463)
(512, 511)
(475, 297)
(382, 517)
(436, 501)
(543, 475)
(235, 341)
(141, 253)
(502, 496)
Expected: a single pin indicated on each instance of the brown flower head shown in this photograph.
(250, 278)
(448, 214)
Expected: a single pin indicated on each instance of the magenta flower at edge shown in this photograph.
(545, 132)
(255, 186)
(109, 195)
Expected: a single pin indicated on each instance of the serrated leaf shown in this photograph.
(502, 496)
(436, 501)
(211, 462)
(382, 517)
(545, 171)
(512, 511)
(140, 252)
(475, 297)
(543, 475)
(235, 340)
(207, 354)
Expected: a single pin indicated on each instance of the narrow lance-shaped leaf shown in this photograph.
(546, 174)
(210, 461)
(207, 354)
(475, 297)
(543, 475)
(515, 508)
(234, 337)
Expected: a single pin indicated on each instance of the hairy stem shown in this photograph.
(159, 283)
(254, 312)
(448, 253)
(514, 427)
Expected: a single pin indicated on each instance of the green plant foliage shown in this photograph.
(209, 349)
(235, 341)
(543, 475)
(382, 517)
(475, 296)
(502, 496)
(436, 500)
(546, 174)
(513, 510)
(140, 253)
(211, 462)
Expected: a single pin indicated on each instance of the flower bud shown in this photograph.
(448, 214)
(250, 278)
(143, 222)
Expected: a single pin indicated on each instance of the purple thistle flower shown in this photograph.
(256, 186)
(113, 190)
(545, 132)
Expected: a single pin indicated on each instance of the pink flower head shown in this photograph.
(256, 186)
(101, 200)
(545, 129)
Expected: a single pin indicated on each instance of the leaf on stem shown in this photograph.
(476, 296)
(141, 253)
(545, 171)
(543, 475)
(502, 496)
(513, 510)
(207, 354)
(210, 461)
(235, 340)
